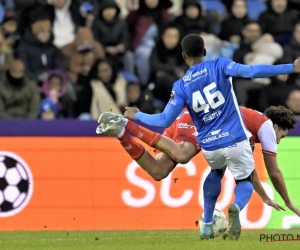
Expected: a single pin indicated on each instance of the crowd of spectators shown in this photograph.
(79, 58)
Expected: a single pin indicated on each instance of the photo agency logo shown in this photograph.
(279, 237)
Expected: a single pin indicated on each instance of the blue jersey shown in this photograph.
(207, 91)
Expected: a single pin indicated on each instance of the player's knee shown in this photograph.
(158, 177)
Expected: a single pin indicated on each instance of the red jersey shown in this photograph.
(258, 124)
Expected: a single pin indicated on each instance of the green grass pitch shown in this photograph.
(139, 240)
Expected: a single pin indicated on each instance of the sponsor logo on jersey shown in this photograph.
(172, 100)
(172, 95)
(212, 116)
(189, 77)
(184, 125)
(215, 137)
(230, 65)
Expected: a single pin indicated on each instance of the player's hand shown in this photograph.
(130, 112)
(273, 204)
(292, 207)
(297, 65)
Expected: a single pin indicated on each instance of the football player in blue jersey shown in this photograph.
(206, 90)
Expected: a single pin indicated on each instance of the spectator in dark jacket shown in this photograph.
(137, 98)
(166, 62)
(192, 19)
(144, 26)
(19, 96)
(38, 52)
(278, 20)
(64, 15)
(250, 33)
(111, 31)
(292, 49)
(277, 92)
(232, 26)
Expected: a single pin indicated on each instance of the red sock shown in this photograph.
(133, 148)
(149, 137)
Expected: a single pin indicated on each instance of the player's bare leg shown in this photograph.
(181, 153)
(158, 168)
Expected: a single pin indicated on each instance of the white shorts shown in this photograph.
(238, 158)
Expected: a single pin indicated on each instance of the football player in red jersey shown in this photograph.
(178, 144)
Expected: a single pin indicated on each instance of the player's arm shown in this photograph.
(267, 138)
(170, 113)
(278, 182)
(276, 176)
(262, 193)
(257, 71)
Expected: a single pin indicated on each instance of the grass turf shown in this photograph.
(131, 240)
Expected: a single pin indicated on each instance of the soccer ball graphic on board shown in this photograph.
(16, 184)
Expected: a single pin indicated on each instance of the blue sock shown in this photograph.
(243, 192)
(211, 192)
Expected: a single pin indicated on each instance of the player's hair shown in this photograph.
(281, 116)
(193, 45)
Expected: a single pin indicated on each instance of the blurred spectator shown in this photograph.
(144, 25)
(232, 26)
(254, 49)
(215, 47)
(105, 91)
(82, 53)
(292, 50)
(49, 106)
(6, 54)
(176, 9)
(192, 20)
(167, 64)
(55, 91)
(250, 34)
(19, 96)
(87, 11)
(9, 29)
(66, 18)
(278, 20)
(275, 93)
(9, 5)
(228, 4)
(293, 101)
(137, 98)
(38, 52)
(111, 31)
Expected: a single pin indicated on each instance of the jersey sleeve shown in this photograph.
(170, 113)
(228, 66)
(267, 137)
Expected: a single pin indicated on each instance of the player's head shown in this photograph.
(283, 120)
(193, 48)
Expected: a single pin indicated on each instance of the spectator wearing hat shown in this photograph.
(192, 19)
(111, 31)
(38, 52)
